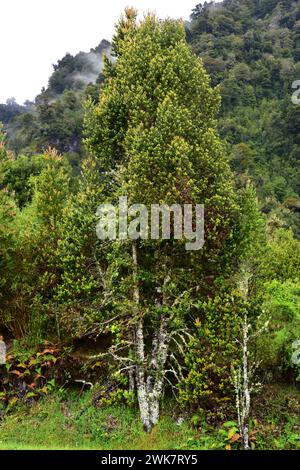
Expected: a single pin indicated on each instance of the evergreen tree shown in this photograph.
(154, 134)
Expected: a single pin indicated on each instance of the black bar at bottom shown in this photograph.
(134, 459)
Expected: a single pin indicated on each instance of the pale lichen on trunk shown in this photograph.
(242, 375)
(242, 388)
(150, 371)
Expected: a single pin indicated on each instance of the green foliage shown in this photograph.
(10, 110)
(17, 174)
(282, 256)
(282, 305)
(8, 212)
(30, 261)
(249, 239)
(81, 255)
(155, 119)
(161, 125)
(207, 388)
(2, 141)
(151, 134)
(251, 50)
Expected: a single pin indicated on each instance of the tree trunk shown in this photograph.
(150, 383)
(149, 380)
(140, 348)
(242, 389)
(246, 392)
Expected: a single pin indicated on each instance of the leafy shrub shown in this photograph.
(282, 304)
(212, 352)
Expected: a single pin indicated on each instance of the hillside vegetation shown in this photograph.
(202, 345)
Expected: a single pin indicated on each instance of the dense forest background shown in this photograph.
(78, 305)
(251, 49)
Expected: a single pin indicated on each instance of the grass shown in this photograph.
(55, 423)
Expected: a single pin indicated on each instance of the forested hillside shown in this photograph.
(56, 117)
(252, 49)
(168, 113)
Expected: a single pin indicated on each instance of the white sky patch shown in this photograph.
(34, 34)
